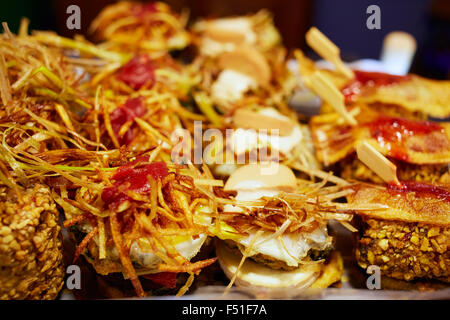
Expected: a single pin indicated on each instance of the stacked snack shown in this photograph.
(146, 210)
(131, 26)
(274, 234)
(38, 99)
(129, 207)
(148, 222)
(409, 240)
(403, 95)
(411, 93)
(244, 76)
(240, 56)
(215, 36)
(395, 128)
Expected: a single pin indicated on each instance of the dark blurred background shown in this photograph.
(343, 21)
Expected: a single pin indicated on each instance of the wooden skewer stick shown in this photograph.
(328, 92)
(328, 51)
(378, 163)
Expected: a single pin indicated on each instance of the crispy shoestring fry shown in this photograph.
(101, 238)
(124, 257)
(23, 29)
(109, 128)
(187, 285)
(169, 249)
(83, 244)
(153, 198)
(244, 257)
(70, 222)
(194, 267)
(52, 39)
(5, 86)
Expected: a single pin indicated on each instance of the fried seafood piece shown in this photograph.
(31, 259)
(408, 239)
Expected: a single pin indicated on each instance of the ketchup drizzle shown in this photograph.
(133, 176)
(146, 9)
(421, 189)
(392, 132)
(128, 112)
(137, 72)
(369, 79)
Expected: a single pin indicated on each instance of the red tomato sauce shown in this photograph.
(133, 176)
(421, 189)
(146, 9)
(392, 131)
(137, 72)
(369, 79)
(128, 112)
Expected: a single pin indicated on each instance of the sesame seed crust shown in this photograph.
(31, 260)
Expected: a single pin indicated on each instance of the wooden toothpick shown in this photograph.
(378, 163)
(328, 92)
(328, 51)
